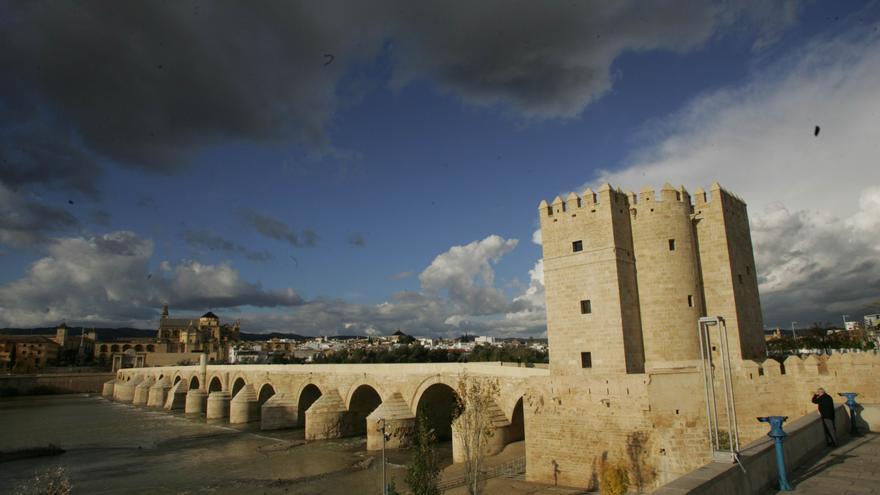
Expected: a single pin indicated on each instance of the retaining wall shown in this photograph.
(805, 440)
(54, 383)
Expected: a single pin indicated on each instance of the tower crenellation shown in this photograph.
(627, 277)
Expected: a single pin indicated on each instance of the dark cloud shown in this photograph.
(273, 228)
(814, 267)
(206, 239)
(357, 239)
(147, 202)
(100, 217)
(148, 84)
(25, 221)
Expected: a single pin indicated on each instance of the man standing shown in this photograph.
(826, 410)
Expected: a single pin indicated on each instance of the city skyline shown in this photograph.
(330, 176)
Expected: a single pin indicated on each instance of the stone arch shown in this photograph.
(215, 385)
(126, 347)
(364, 399)
(368, 381)
(517, 428)
(114, 348)
(237, 385)
(194, 383)
(451, 382)
(307, 396)
(438, 402)
(266, 392)
(138, 348)
(151, 348)
(176, 379)
(103, 347)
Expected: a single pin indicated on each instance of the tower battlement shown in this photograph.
(627, 277)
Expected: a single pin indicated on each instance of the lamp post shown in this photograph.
(793, 332)
(385, 437)
(777, 434)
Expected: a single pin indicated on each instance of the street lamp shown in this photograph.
(381, 422)
(793, 332)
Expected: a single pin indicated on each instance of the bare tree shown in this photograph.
(473, 425)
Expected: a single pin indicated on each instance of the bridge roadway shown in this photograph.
(331, 400)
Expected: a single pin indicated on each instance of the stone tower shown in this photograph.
(628, 276)
(593, 319)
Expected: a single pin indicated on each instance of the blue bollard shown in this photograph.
(851, 404)
(777, 434)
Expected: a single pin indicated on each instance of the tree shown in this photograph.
(423, 472)
(473, 425)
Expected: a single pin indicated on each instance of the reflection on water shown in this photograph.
(116, 448)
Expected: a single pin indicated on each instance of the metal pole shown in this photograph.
(844, 322)
(733, 434)
(384, 480)
(706, 385)
(793, 332)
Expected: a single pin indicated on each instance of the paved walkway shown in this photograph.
(853, 468)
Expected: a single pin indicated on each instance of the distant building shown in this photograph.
(485, 340)
(853, 325)
(871, 321)
(27, 353)
(178, 340)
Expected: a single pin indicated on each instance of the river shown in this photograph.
(119, 448)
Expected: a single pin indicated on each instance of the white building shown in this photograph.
(483, 339)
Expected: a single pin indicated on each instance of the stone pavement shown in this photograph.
(853, 468)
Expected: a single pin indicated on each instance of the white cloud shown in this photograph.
(812, 199)
(536, 237)
(107, 280)
(465, 273)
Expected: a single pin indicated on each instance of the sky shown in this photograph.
(353, 168)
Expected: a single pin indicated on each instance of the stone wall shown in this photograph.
(656, 422)
(57, 383)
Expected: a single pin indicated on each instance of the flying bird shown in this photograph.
(294, 260)
(330, 58)
(70, 201)
(816, 131)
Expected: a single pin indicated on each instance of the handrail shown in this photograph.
(510, 468)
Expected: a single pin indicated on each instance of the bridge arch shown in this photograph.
(307, 396)
(194, 383)
(517, 429)
(176, 379)
(238, 384)
(363, 400)
(266, 392)
(438, 401)
(215, 385)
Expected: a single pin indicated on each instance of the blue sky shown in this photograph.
(216, 162)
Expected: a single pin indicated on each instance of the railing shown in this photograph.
(508, 469)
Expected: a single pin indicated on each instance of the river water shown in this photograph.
(119, 448)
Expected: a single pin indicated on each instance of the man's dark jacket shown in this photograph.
(826, 405)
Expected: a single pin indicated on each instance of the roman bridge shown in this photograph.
(331, 400)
